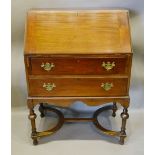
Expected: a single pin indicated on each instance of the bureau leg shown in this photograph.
(124, 116)
(41, 109)
(114, 109)
(32, 117)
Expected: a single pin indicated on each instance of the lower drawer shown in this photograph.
(78, 86)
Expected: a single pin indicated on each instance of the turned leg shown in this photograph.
(32, 117)
(114, 109)
(124, 116)
(41, 109)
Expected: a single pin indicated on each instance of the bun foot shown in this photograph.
(113, 115)
(121, 140)
(35, 142)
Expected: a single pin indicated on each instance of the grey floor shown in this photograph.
(77, 138)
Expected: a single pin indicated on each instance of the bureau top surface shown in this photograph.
(77, 32)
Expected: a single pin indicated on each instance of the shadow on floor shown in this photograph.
(79, 130)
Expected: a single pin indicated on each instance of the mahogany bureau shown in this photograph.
(77, 55)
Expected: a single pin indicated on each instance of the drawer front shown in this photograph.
(79, 66)
(78, 87)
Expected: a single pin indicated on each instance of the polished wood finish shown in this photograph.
(84, 65)
(77, 32)
(77, 55)
(78, 86)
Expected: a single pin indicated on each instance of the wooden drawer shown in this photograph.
(78, 66)
(74, 86)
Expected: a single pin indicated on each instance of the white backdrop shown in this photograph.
(19, 9)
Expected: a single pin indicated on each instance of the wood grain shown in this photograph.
(77, 42)
(78, 86)
(79, 65)
(77, 32)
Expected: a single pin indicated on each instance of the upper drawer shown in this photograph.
(79, 65)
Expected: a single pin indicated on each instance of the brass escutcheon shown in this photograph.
(47, 66)
(107, 86)
(108, 66)
(49, 86)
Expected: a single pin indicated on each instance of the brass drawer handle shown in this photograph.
(49, 86)
(107, 86)
(47, 66)
(108, 66)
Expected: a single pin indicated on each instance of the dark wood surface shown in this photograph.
(83, 65)
(78, 86)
